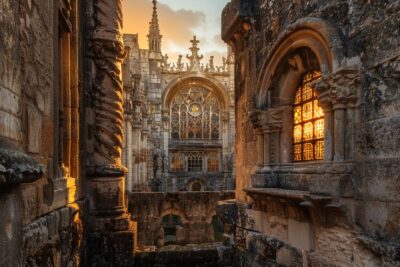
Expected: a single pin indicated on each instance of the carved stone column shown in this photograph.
(136, 153)
(286, 135)
(225, 133)
(110, 238)
(338, 132)
(338, 94)
(166, 130)
(260, 149)
(266, 149)
(255, 118)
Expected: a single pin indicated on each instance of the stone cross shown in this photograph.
(194, 42)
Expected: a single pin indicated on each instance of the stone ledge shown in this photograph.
(17, 167)
(286, 194)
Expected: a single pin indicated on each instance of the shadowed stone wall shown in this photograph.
(195, 209)
(344, 210)
(39, 216)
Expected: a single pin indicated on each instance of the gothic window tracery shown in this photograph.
(195, 114)
(195, 161)
(308, 122)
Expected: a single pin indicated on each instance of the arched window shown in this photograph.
(213, 162)
(196, 187)
(195, 114)
(170, 223)
(177, 162)
(195, 161)
(308, 119)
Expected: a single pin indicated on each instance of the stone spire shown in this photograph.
(195, 58)
(154, 35)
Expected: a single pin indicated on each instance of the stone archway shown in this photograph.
(313, 33)
(195, 79)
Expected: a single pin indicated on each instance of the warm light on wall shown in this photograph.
(308, 121)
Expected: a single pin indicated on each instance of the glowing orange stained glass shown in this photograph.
(318, 112)
(308, 120)
(297, 98)
(319, 129)
(297, 115)
(319, 150)
(297, 133)
(307, 113)
(308, 131)
(307, 92)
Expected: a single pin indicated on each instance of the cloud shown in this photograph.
(175, 24)
(178, 25)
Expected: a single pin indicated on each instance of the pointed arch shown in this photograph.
(195, 79)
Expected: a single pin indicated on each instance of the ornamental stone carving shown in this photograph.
(340, 88)
(271, 117)
(106, 50)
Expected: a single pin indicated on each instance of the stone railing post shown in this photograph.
(110, 236)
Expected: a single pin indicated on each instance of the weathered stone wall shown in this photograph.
(37, 227)
(209, 255)
(195, 209)
(54, 239)
(359, 226)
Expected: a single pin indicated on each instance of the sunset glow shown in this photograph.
(179, 21)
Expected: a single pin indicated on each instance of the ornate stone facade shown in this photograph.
(165, 140)
(342, 209)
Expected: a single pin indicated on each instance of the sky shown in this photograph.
(179, 21)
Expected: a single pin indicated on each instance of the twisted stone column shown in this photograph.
(110, 231)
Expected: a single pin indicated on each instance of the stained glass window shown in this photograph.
(195, 114)
(177, 162)
(308, 120)
(213, 162)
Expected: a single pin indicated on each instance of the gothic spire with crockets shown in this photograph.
(154, 36)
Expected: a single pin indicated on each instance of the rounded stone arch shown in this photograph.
(196, 79)
(210, 216)
(191, 182)
(312, 34)
(173, 211)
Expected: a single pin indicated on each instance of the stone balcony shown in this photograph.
(181, 143)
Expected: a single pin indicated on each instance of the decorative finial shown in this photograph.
(194, 58)
(154, 31)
